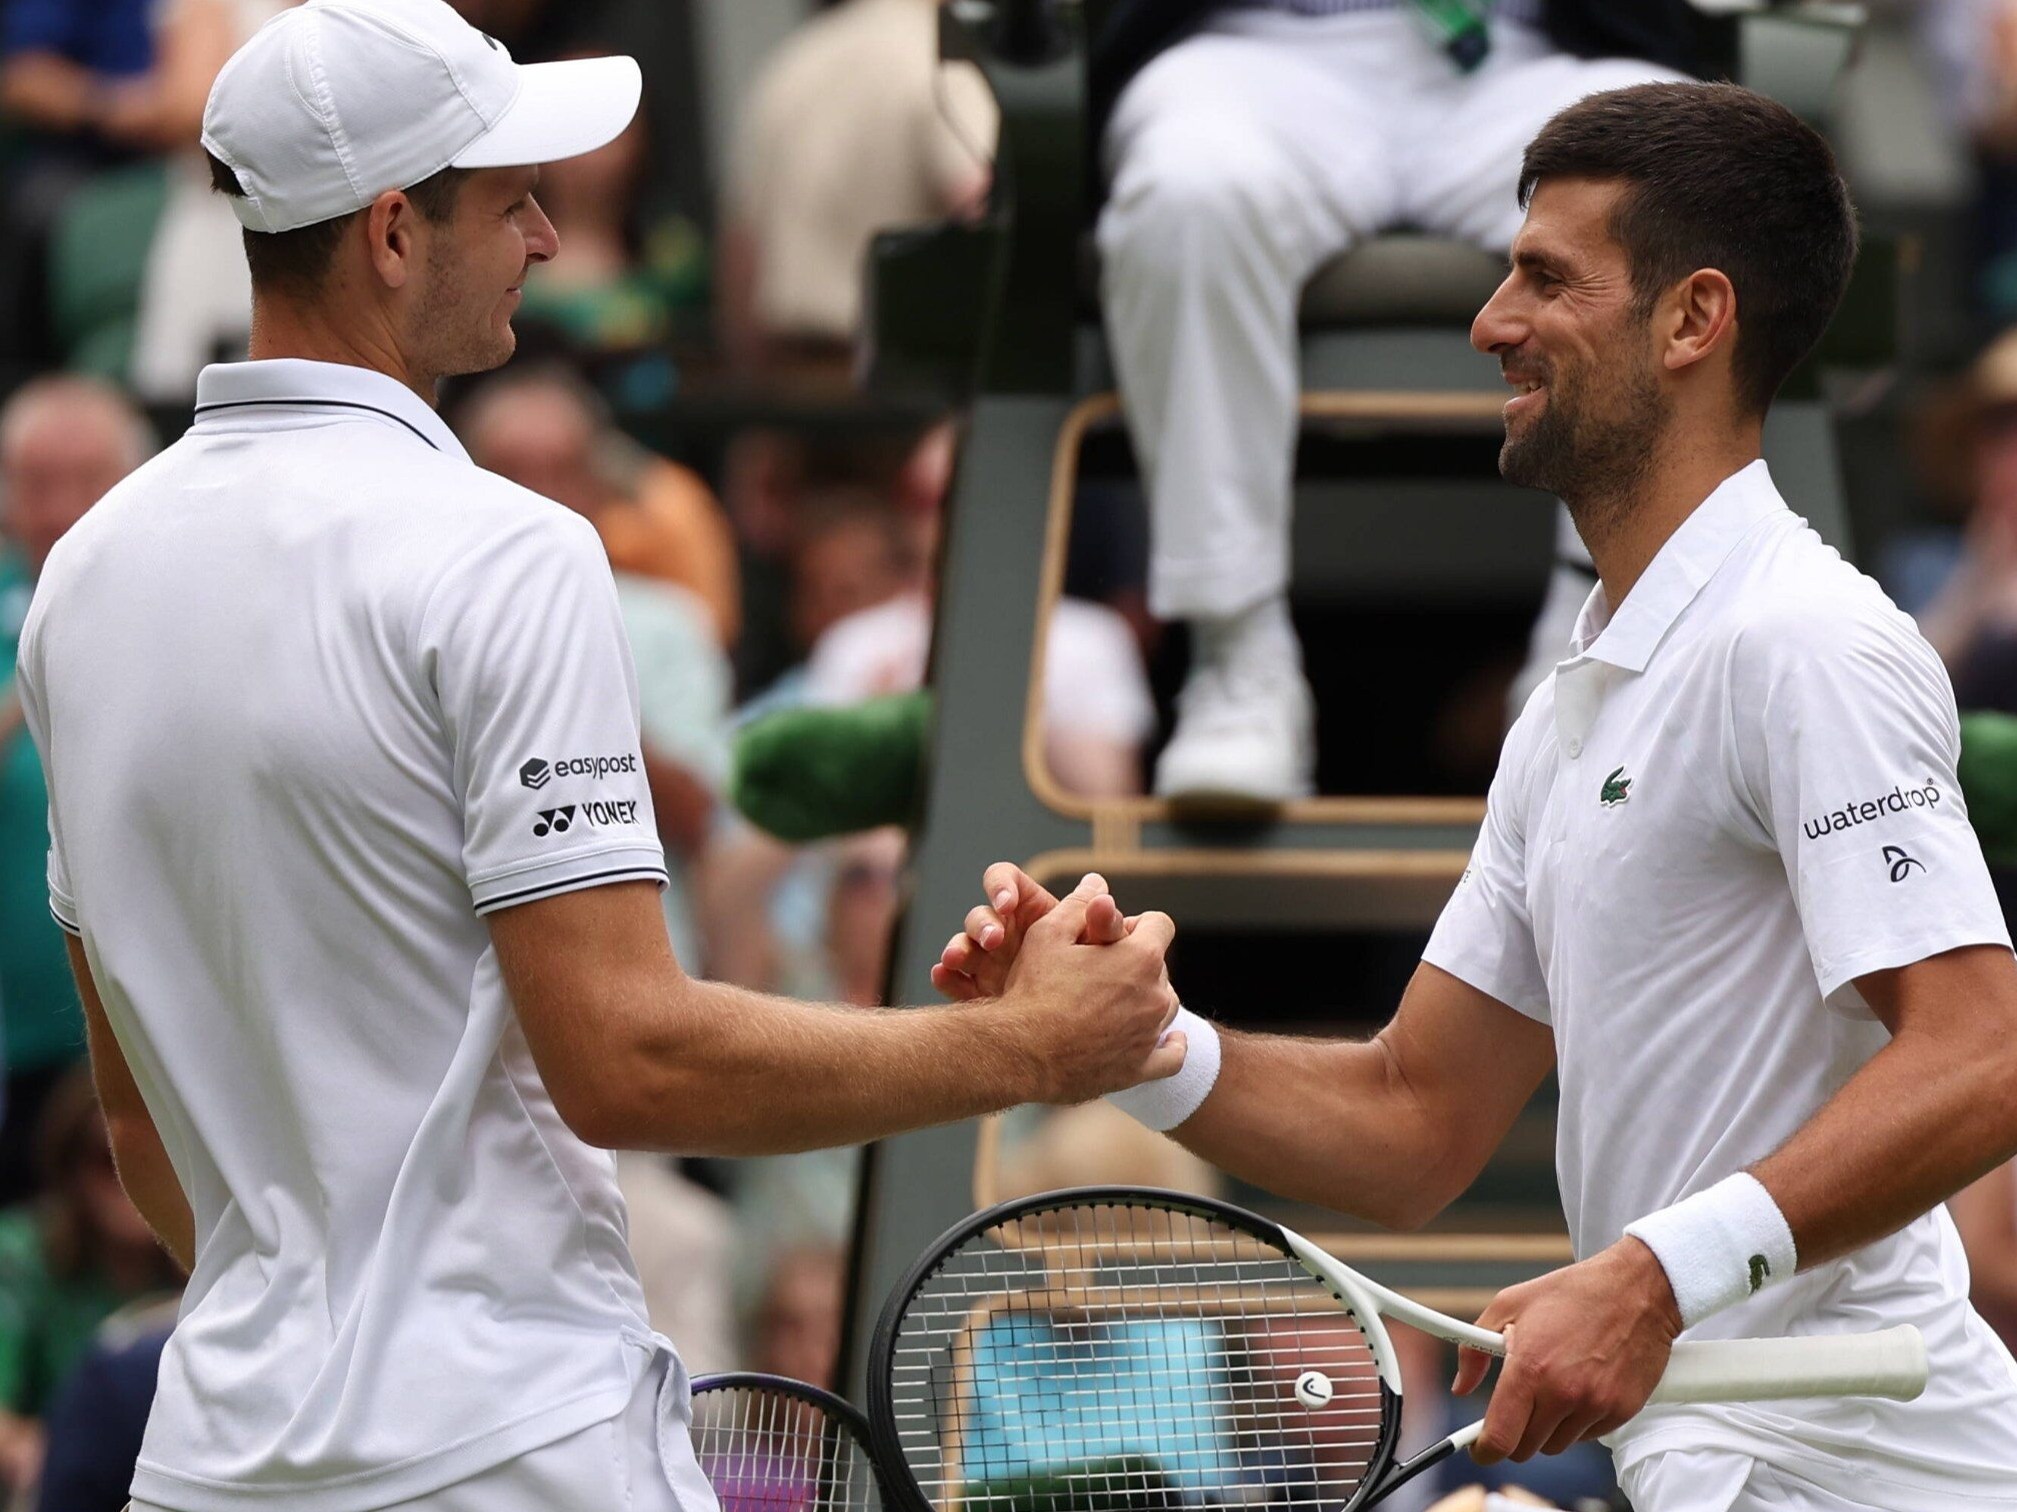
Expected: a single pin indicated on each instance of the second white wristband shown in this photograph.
(1720, 1245)
(1162, 1105)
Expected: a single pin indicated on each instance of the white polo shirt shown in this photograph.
(315, 695)
(1735, 798)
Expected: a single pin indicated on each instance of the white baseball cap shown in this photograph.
(336, 101)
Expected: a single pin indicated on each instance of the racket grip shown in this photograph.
(1887, 1364)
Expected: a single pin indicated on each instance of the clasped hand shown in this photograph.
(1094, 981)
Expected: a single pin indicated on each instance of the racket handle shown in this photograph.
(1887, 1364)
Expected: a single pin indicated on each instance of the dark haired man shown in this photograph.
(1781, 1045)
(350, 825)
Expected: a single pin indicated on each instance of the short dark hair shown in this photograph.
(1717, 177)
(296, 262)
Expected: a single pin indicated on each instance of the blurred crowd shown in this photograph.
(784, 558)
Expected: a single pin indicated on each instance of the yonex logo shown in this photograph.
(1901, 864)
(535, 773)
(599, 814)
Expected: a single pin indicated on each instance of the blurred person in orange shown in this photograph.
(548, 430)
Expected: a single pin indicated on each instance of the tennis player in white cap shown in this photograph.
(351, 832)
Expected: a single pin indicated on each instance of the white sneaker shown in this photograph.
(1243, 738)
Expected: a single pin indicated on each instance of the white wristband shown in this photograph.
(1720, 1246)
(1164, 1104)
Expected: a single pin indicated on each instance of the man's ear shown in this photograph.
(393, 233)
(1699, 319)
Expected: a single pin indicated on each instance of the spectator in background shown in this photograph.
(1972, 621)
(795, 1327)
(67, 1263)
(97, 1422)
(628, 272)
(74, 73)
(63, 443)
(853, 127)
(546, 432)
(196, 298)
(1973, 44)
(76, 93)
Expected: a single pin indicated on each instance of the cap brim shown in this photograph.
(562, 111)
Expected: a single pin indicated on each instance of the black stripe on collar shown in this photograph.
(205, 409)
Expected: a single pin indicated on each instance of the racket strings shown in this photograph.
(765, 1450)
(1126, 1355)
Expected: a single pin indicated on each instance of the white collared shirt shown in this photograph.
(314, 695)
(1736, 797)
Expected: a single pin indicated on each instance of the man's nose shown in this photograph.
(542, 240)
(1497, 326)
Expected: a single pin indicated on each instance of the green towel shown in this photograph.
(1988, 774)
(809, 774)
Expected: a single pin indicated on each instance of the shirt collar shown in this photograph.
(235, 389)
(1690, 557)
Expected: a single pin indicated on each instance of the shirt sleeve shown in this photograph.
(1847, 741)
(1486, 933)
(525, 643)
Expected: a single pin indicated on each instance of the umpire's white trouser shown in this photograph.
(1242, 159)
(1719, 1480)
(641, 1460)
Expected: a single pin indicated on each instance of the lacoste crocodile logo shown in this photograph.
(1761, 1270)
(1617, 789)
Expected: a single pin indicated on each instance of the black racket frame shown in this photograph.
(900, 1487)
(838, 1408)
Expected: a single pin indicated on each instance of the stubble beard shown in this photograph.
(457, 338)
(1596, 464)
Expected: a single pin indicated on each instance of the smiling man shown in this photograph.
(1782, 1040)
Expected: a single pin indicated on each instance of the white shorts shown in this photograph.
(641, 1460)
(1720, 1480)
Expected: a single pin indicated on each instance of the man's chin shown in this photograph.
(1519, 465)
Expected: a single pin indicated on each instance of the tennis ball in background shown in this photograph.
(1313, 1388)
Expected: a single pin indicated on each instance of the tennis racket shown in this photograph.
(1117, 1349)
(770, 1444)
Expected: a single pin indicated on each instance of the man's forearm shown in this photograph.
(153, 1187)
(1923, 1119)
(142, 1160)
(1329, 1122)
(735, 1072)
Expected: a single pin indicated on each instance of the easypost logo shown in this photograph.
(1897, 801)
(537, 773)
